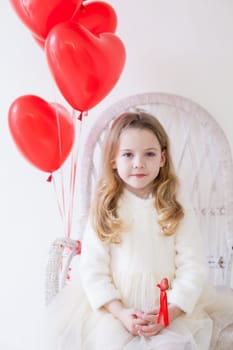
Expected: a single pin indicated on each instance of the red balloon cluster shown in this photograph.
(85, 56)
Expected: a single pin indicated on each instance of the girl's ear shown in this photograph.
(163, 158)
(113, 162)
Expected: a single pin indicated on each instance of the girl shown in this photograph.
(140, 231)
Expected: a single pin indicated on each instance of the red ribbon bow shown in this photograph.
(163, 310)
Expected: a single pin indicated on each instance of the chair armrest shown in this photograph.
(61, 253)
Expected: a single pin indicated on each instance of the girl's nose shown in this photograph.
(138, 162)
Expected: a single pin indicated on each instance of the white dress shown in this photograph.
(130, 271)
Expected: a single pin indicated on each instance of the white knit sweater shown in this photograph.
(130, 271)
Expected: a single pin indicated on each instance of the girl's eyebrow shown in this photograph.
(146, 149)
(126, 150)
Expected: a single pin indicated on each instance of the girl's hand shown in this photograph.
(129, 317)
(132, 319)
(152, 327)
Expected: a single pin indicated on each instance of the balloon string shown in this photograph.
(73, 173)
(62, 200)
(63, 195)
(60, 207)
(72, 192)
(59, 133)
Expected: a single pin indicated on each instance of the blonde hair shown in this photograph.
(110, 186)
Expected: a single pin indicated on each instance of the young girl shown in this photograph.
(140, 231)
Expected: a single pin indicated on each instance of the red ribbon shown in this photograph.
(78, 250)
(163, 310)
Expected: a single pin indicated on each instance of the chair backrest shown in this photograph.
(203, 162)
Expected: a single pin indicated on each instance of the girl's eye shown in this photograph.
(150, 154)
(127, 154)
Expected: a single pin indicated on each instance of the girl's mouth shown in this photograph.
(138, 175)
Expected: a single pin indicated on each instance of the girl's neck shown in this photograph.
(143, 194)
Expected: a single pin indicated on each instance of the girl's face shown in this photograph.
(138, 160)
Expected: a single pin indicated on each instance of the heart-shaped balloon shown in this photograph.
(97, 16)
(43, 132)
(40, 16)
(85, 66)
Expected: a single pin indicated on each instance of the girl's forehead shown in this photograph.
(138, 136)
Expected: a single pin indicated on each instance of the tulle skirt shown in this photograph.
(71, 324)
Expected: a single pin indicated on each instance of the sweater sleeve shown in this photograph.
(190, 265)
(95, 270)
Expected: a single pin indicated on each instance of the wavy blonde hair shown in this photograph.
(110, 186)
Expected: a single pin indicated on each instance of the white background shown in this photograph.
(183, 47)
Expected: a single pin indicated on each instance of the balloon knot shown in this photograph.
(80, 117)
(82, 113)
(50, 178)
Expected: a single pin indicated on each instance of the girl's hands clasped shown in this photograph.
(138, 322)
(151, 327)
(132, 319)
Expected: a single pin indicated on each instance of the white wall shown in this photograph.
(179, 46)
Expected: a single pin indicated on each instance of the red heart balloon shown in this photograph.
(84, 66)
(43, 132)
(41, 16)
(97, 16)
(40, 42)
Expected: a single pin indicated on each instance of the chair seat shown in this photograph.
(223, 326)
(225, 341)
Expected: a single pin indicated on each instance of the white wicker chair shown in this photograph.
(203, 162)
